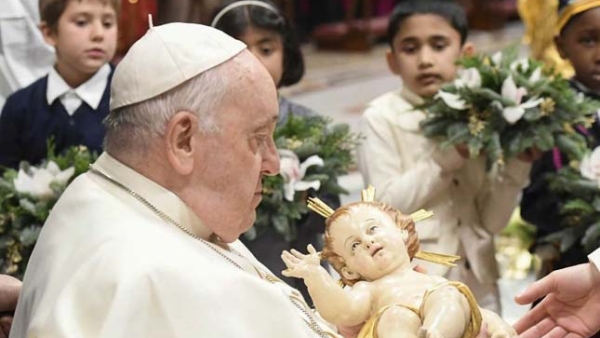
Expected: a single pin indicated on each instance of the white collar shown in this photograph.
(90, 92)
(411, 96)
(161, 198)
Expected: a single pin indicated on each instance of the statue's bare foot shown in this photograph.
(429, 333)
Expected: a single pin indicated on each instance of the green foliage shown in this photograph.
(476, 109)
(305, 136)
(579, 203)
(23, 212)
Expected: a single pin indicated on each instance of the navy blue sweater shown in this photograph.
(27, 121)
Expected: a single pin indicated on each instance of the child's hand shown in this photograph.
(449, 159)
(463, 150)
(300, 265)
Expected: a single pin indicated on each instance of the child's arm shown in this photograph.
(336, 305)
(382, 164)
(497, 202)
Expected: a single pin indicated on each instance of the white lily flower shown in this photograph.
(521, 64)
(514, 113)
(470, 78)
(452, 100)
(293, 172)
(497, 58)
(37, 184)
(536, 75)
(590, 165)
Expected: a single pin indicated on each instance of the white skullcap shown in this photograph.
(165, 57)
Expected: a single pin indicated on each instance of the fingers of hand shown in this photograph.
(290, 260)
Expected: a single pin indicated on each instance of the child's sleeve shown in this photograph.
(498, 201)
(381, 163)
(11, 121)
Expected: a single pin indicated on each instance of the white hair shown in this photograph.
(132, 128)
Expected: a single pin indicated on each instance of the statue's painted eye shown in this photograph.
(355, 245)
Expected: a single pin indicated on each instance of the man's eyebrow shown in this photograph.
(267, 122)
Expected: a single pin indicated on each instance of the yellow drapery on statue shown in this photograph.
(541, 19)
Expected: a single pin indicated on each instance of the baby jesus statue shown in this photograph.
(371, 245)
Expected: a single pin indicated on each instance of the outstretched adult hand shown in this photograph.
(571, 307)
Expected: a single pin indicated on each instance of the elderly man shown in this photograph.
(145, 243)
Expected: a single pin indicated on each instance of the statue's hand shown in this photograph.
(300, 265)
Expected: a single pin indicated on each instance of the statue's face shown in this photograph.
(370, 243)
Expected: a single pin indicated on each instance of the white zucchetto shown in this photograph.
(167, 56)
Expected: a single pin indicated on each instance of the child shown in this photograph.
(412, 172)
(69, 104)
(371, 246)
(578, 41)
(270, 37)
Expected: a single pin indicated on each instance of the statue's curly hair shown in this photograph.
(404, 222)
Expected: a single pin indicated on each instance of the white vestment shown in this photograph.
(106, 265)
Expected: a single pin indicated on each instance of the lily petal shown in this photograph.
(497, 58)
(305, 185)
(309, 162)
(521, 65)
(536, 75)
(64, 176)
(513, 114)
(452, 100)
(531, 103)
(289, 191)
(509, 90)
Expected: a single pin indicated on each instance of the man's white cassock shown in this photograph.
(106, 265)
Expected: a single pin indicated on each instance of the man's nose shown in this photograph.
(270, 163)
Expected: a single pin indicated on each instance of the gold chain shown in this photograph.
(299, 304)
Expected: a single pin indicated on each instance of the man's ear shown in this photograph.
(181, 135)
(468, 49)
(392, 62)
(349, 274)
(560, 47)
(48, 34)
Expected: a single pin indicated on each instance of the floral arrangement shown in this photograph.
(578, 189)
(26, 197)
(502, 106)
(313, 154)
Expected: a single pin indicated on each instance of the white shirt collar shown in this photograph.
(411, 96)
(161, 198)
(90, 92)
